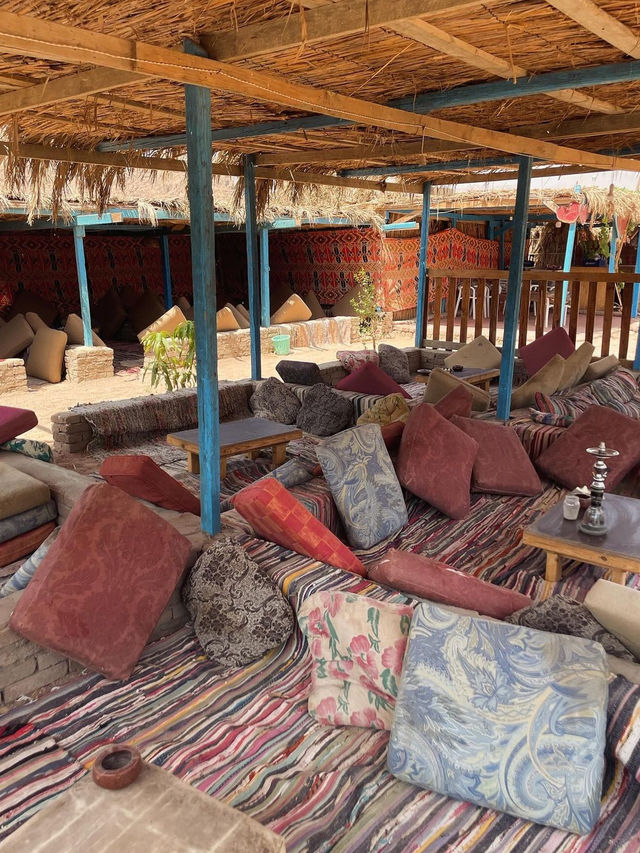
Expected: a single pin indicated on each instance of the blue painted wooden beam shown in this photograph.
(253, 272)
(613, 246)
(422, 305)
(265, 293)
(166, 271)
(514, 289)
(566, 267)
(203, 270)
(83, 284)
(446, 166)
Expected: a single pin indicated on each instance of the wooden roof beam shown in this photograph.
(596, 20)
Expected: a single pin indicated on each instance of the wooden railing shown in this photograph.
(541, 295)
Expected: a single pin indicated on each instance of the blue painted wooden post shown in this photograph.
(253, 273)
(613, 247)
(265, 295)
(203, 271)
(514, 288)
(636, 287)
(166, 271)
(566, 267)
(83, 284)
(423, 298)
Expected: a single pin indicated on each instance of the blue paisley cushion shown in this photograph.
(504, 717)
(28, 520)
(29, 447)
(364, 485)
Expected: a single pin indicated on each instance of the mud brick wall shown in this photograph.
(85, 363)
(13, 376)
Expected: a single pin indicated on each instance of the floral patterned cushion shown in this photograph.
(353, 360)
(275, 402)
(299, 372)
(364, 485)
(29, 447)
(324, 411)
(395, 362)
(391, 408)
(357, 646)
(502, 716)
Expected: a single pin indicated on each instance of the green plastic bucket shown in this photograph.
(281, 344)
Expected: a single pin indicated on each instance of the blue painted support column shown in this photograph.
(613, 247)
(83, 284)
(253, 272)
(203, 271)
(166, 271)
(265, 295)
(422, 305)
(514, 288)
(566, 267)
(636, 286)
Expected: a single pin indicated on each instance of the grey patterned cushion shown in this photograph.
(238, 613)
(562, 615)
(299, 372)
(274, 401)
(324, 412)
(395, 362)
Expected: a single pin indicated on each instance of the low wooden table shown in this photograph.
(618, 550)
(473, 375)
(248, 435)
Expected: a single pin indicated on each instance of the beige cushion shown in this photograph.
(35, 321)
(479, 353)
(600, 368)
(167, 323)
(294, 310)
(46, 355)
(241, 320)
(185, 307)
(146, 311)
(343, 307)
(15, 336)
(440, 383)
(226, 321)
(75, 332)
(242, 310)
(20, 492)
(617, 608)
(575, 366)
(545, 381)
(317, 312)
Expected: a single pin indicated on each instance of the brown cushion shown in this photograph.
(46, 356)
(166, 323)
(539, 352)
(225, 321)
(479, 353)
(25, 300)
(575, 366)
(294, 310)
(185, 306)
(75, 332)
(141, 477)
(110, 314)
(598, 369)
(24, 543)
(567, 462)
(343, 307)
(545, 381)
(456, 402)
(146, 311)
(20, 492)
(35, 321)
(242, 321)
(240, 307)
(440, 383)
(15, 336)
(502, 466)
(311, 300)
(435, 461)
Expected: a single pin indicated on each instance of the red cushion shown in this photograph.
(141, 477)
(101, 588)
(435, 461)
(14, 422)
(567, 462)
(24, 543)
(370, 379)
(278, 517)
(502, 466)
(392, 433)
(456, 402)
(536, 354)
(438, 582)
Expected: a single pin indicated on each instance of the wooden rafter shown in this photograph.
(25, 35)
(592, 17)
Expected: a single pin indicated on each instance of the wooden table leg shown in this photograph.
(278, 454)
(616, 575)
(193, 462)
(554, 567)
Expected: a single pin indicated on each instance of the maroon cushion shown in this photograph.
(502, 466)
(24, 543)
(392, 433)
(101, 588)
(536, 354)
(567, 462)
(141, 477)
(456, 402)
(435, 461)
(14, 422)
(370, 379)
(438, 582)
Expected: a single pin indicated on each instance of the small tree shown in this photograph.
(174, 357)
(365, 304)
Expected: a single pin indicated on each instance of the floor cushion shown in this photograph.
(353, 360)
(74, 331)
(392, 434)
(391, 408)
(27, 300)
(343, 307)
(147, 309)
(242, 310)
(598, 369)
(28, 519)
(110, 314)
(100, 590)
(566, 461)
(504, 717)
(46, 356)
(456, 402)
(427, 578)
(29, 447)
(278, 517)
(311, 300)
(357, 646)
(575, 365)
(480, 352)
(35, 321)
(441, 383)
(370, 379)
(20, 492)
(545, 381)
(617, 608)
(540, 351)
(324, 411)
(15, 421)
(225, 321)
(435, 461)
(167, 322)
(275, 402)
(395, 362)
(502, 466)
(141, 477)
(185, 306)
(238, 612)
(22, 577)
(25, 543)
(364, 485)
(299, 372)
(15, 337)
(292, 310)
(242, 321)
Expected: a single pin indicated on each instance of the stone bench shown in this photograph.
(13, 376)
